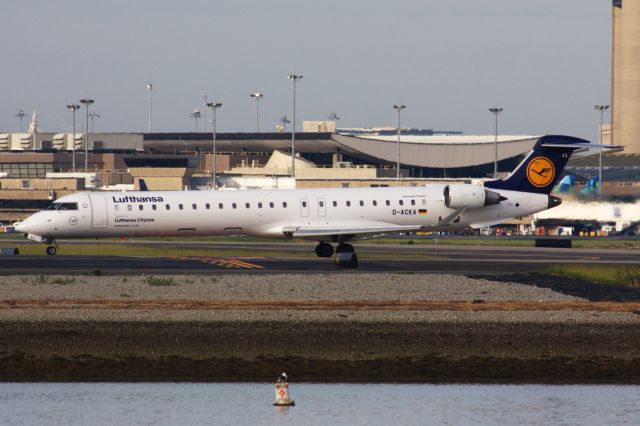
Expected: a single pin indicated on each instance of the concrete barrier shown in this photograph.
(553, 242)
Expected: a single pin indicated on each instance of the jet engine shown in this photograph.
(472, 196)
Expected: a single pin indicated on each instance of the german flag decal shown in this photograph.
(422, 211)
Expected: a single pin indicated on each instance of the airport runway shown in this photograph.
(280, 258)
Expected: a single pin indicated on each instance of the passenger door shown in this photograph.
(98, 210)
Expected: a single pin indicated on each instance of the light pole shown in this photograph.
(196, 114)
(93, 115)
(294, 78)
(214, 107)
(398, 108)
(21, 114)
(495, 111)
(73, 108)
(601, 109)
(149, 89)
(285, 120)
(257, 97)
(87, 103)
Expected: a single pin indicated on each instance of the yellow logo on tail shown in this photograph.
(541, 172)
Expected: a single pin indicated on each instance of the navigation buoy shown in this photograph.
(282, 392)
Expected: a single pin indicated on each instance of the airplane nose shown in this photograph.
(22, 227)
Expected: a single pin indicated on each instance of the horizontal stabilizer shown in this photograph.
(580, 145)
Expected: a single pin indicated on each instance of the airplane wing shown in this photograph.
(370, 230)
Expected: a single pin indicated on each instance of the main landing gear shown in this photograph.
(345, 254)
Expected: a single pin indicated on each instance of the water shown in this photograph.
(316, 404)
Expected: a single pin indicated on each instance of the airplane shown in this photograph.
(329, 216)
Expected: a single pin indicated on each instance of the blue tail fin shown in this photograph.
(540, 170)
(143, 185)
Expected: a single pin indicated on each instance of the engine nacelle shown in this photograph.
(472, 196)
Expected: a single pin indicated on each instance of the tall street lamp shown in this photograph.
(87, 103)
(495, 111)
(196, 114)
(601, 109)
(257, 97)
(149, 89)
(93, 116)
(73, 108)
(398, 108)
(294, 79)
(21, 114)
(214, 107)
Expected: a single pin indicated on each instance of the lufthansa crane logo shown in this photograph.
(541, 172)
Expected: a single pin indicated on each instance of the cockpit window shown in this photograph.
(68, 206)
(62, 206)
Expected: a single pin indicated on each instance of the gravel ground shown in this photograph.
(408, 287)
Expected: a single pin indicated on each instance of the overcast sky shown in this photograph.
(546, 62)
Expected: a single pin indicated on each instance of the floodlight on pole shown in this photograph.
(149, 89)
(601, 109)
(21, 114)
(398, 108)
(73, 108)
(214, 106)
(87, 103)
(294, 79)
(196, 114)
(257, 97)
(93, 116)
(495, 111)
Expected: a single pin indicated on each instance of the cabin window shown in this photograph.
(194, 206)
(180, 206)
(207, 206)
(116, 207)
(168, 206)
(413, 202)
(335, 204)
(361, 203)
(424, 201)
(234, 205)
(220, 206)
(247, 205)
(129, 207)
(284, 204)
(401, 202)
(375, 203)
(140, 207)
(304, 204)
(321, 203)
(388, 202)
(153, 207)
(346, 185)
(348, 203)
(259, 205)
(271, 205)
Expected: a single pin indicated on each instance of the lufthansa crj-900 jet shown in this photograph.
(327, 216)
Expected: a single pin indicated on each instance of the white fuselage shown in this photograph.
(264, 213)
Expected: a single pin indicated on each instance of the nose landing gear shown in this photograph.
(52, 248)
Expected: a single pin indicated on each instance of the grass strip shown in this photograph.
(627, 275)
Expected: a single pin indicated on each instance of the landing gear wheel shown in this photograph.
(324, 250)
(51, 250)
(346, 260)
(345, 248)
